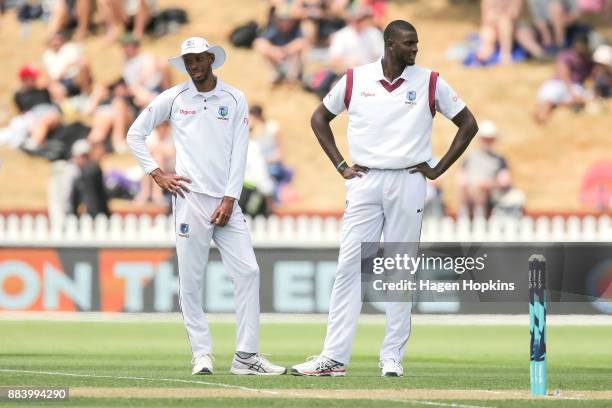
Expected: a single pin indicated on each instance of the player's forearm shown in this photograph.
(467, 130)
(322, 130)
(237, 169)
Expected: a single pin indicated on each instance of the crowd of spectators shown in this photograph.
(550, 32)
(337, 34)
(75, 120)
(581, 78)
(307, 42)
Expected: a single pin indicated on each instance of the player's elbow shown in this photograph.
(468, 125)
(318, 121)
(133, 140)
(130, 139)
(472, 127)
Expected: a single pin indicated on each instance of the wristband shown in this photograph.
(341, 166)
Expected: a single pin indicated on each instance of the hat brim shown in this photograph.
(216, 50)
(603, 61)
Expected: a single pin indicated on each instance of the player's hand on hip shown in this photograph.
(426, 170)
(171, 182)
(354, 171)
(223, 212)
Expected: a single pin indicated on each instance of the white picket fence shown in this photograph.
(289, 232)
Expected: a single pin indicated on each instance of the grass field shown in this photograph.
(147, 364)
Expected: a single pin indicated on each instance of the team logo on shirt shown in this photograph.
(223, 112)
(411, 98)
(184, 230)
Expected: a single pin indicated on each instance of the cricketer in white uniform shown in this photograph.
(209, 119)
(391, 104)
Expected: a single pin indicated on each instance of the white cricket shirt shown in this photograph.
(390, 123)
(211, 135)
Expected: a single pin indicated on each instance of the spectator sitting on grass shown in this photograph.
(120, 15)
(145, 75)
(359, 43)
(69, 14)
(602, 73)
(319, 20)
(551, 19)
(497, 28)
(113, 116)
(37, 114)
(67, 72)
(481, 175)
(162, 149)
(573, 67)
(265, 132)
(282, 44)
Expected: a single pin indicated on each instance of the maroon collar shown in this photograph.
(391, 87)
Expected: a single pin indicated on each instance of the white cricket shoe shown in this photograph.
(257, 364)
(202, 364)
(391, 368)
(319, 366)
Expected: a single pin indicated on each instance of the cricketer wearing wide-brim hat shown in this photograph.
(209, 120)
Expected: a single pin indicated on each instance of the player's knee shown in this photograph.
(250, 272)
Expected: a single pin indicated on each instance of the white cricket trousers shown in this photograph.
(194, 232)
(388, 202)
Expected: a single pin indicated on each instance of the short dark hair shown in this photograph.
(395, 26)
(581, 38)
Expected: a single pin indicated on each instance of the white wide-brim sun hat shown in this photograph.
(603, 55)
(487, 129)
(196, 45)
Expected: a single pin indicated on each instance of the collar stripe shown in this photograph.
(391, 87)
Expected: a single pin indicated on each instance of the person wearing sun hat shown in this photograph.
(483, 172)
(602, 57)
(210, 125)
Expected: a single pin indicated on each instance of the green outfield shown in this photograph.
(148, 364)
